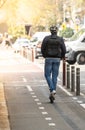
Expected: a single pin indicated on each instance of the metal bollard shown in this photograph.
(72, 79)
(68, 76)
(77, 81)
(64, 72)
(24, 52)
(32, 55)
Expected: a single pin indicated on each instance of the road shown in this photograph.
(26, 94)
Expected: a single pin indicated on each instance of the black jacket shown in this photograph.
(45, 42)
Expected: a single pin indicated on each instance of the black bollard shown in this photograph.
(64, 72)
(77, 81)
(72, 79)
(68, 76)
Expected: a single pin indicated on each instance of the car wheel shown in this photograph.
(81, 58)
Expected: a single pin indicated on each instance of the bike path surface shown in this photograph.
(29, 107)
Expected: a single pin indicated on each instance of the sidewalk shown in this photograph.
(4, 122)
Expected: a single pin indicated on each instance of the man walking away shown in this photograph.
(53, 50)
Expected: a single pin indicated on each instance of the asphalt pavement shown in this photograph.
(25, 99)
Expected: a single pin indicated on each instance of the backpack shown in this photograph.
(53, 48)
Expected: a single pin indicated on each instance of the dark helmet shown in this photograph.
(53, 29)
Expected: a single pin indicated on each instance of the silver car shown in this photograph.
(75, 48)
(19, 43)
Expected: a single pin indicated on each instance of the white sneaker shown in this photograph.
(54, 92)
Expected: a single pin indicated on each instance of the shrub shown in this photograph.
(67, 33)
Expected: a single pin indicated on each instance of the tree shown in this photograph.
(2, 2)
(35, 12)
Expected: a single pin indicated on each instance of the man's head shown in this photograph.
(53, 30)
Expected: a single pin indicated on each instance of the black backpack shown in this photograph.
(53, 48)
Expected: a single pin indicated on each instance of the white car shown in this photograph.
(19, 43)
(38, 37)
(75, 48)
(36, 42)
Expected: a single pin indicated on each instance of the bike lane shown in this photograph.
(29, 107)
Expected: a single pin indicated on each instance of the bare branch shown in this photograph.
(2, 2)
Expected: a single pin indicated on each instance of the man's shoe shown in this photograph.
(52, 98)
(54, 92)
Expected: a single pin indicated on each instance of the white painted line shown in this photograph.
(82, 94)
(48, 118)
(34, 96)
(80, 101)
(51, 124)
(41, 108)
(36, 100)
(29, 88)
(75, 98)
(39, 103)
(44, 113)
(24, 80)
(83, 105)
(68, 93)
(59, 85)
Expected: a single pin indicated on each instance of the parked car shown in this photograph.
(38, 50)
(20, 42)
(37, 37)
(36, 41)
(75, 48)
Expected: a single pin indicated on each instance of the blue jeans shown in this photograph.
(51, 72)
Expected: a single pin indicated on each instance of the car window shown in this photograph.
(77, 35)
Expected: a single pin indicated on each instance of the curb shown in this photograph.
(4, 122)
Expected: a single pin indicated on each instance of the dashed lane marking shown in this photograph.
(39, 103)
(44, 113)
(36, 99)
(51, 124)
(29, 88)
(34, 96)
(24, 80)
(48, 118)
(41, 107)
